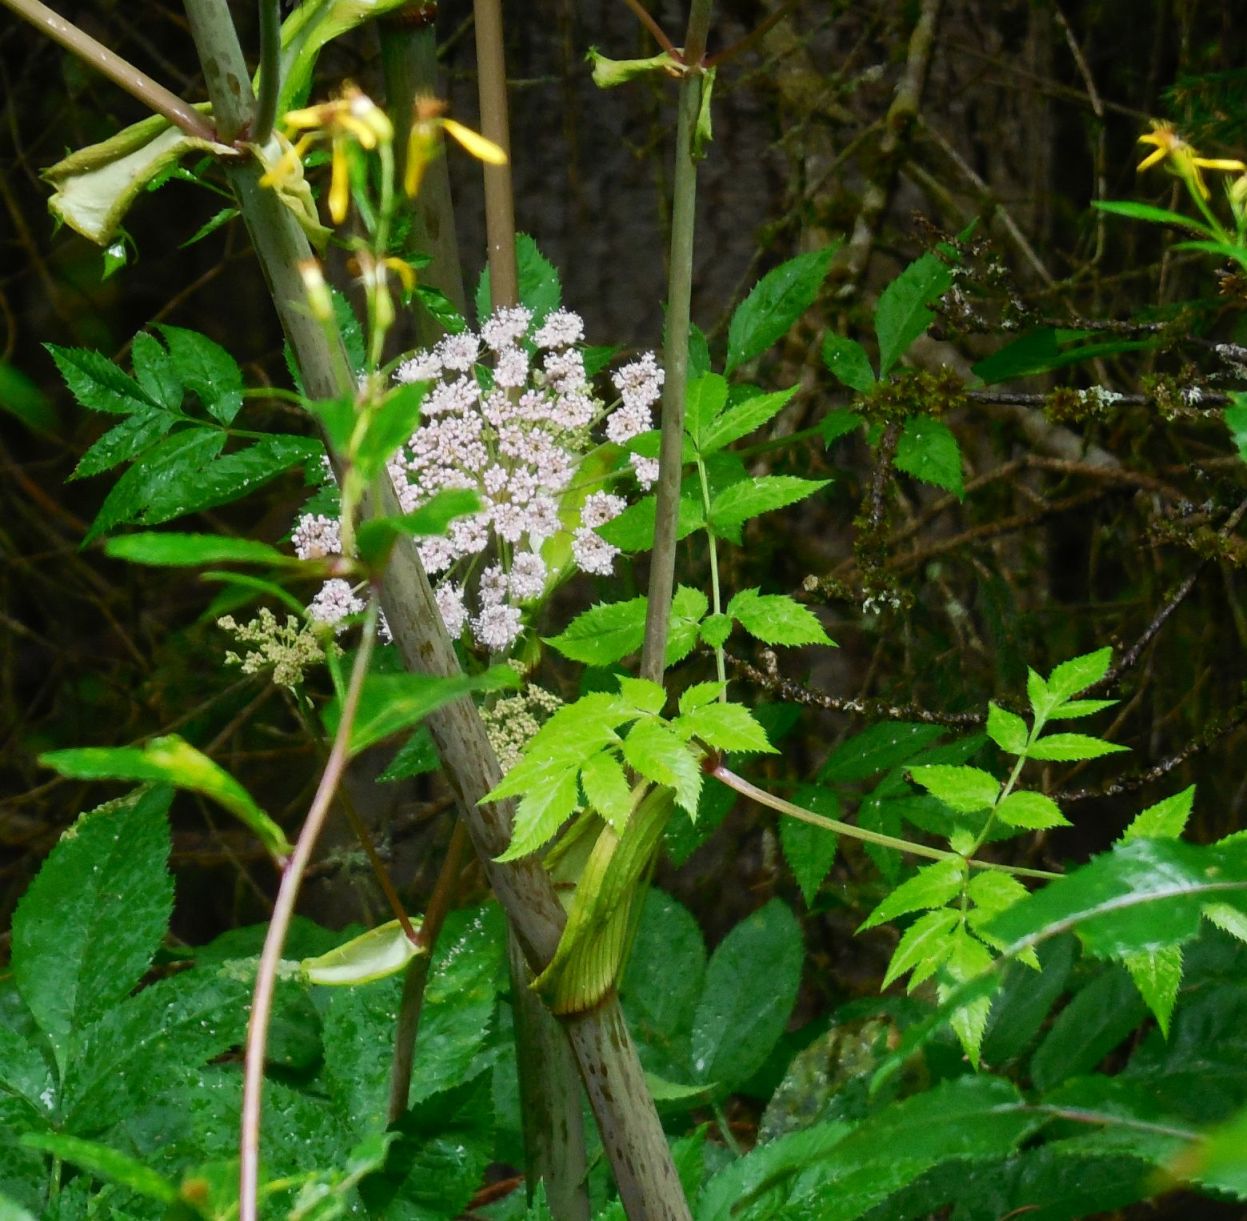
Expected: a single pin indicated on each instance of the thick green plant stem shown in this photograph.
(270, 70)
(550, 1106)
(110, 65)
(675, 355)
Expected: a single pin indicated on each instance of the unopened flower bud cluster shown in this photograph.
(511, 722)
(288, 648)
(508, 414)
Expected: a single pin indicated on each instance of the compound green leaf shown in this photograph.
(724, 727)
(932, 886)
(1079, 673)
(774, 304)
(206, 369)
(703, 401)
(776, 618)
(98, 384)
(810, 851)
(1066, 747)
(1158, 975)
(603, 634)
(124, 441)
(739, 502)
(928, 450)
(1165, 820)
(846, 360)
(172, 760)
(661, 756)
(903, 312)
(87, 928)
(877, 749)
(924, 947)
(606, 789)
(743, 418)
(967, 790)
(750, 989)
(1006, 729)
(1031, 811)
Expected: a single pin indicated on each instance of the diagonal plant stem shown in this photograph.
(763, 798)
(111, 65)
(675, 354)
(279, 926)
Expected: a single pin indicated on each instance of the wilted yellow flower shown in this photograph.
(351, 116)
(1182, 159)
(427, 124)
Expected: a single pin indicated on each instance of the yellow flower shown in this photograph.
(350, 117)
(1183, 160)
(427, 124)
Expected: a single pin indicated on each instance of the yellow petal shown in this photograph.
(340, 184)
(1152, 159)
(475, 143)
(1219, 163)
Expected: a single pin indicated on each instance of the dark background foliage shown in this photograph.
(1082, 525)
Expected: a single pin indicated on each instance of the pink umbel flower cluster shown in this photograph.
(508, 413)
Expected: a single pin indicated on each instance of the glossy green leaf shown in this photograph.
(700, 694)
(170, 550)
(743, 418)
(207, 369)
(390, 424)
(141, 1046)
(774, 304)
(1165, 820)
(606, 789)
(1031, 811)
(1157, 974)
(124, 441)
(750, 989)
(739, 502)
(1104, 1013)
(725, 727)
(172, 760)
(932, 886)
(1079, 673)
(846, 360)
(416, 757)
(375, 537)
(376, 954)
(541, 812)
(603, 634)
(776, 618)
(1067, 747)
(390, 703)
(924, 947)
(688, 607)
(154, 371)
(877, 749)
(903, 311)
(928, 450)
(660, 755)
(967, 790)
(633, 529)
(1025, 999)
(1006, 729)
(88, 926)
(1140, 897)
(837, 424)
(98, 384)
(105, 1162)
(810, 851)
(229, 477)
(1048, 348)
(176, 461)
(967, 959)
(704, 399)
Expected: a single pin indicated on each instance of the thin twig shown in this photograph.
(110, 65)
(660, 36)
